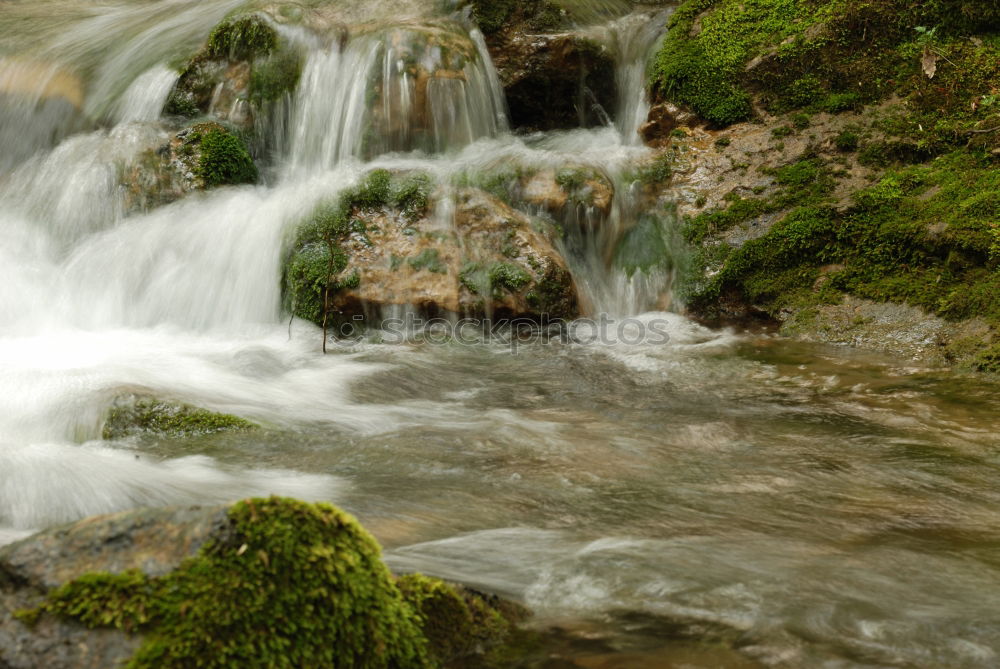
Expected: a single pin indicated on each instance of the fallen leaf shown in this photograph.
(929, 62)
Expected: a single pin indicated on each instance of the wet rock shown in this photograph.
(663, 119)
(555, 81)
(472, 255)
(562, 192)
(163, 588)
(200, 156)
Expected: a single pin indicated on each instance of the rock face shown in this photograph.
(265, 582)
(494, 261)
(556, 81)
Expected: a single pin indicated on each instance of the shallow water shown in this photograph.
(711, 498)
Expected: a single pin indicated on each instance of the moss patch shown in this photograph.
(150, 415)
(720, 56)
(224, 159)
(241, 38)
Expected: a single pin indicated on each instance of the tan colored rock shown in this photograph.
(491, 260)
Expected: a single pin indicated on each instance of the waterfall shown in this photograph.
(98, 299)
(401, 89)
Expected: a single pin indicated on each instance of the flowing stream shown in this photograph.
(709, 499)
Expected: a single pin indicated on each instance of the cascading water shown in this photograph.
(622, 489)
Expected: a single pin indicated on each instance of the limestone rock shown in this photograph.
(663, 119)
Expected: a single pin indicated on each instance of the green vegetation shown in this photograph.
(275, 76)
(538, 15)
(241, 38)
(286, 584)
(481, 279)
(428, 259)
(824, 55)
(314, 269)
(923, 235)
(150, 415)
(224, 159)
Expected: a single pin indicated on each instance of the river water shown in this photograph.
(708, 498)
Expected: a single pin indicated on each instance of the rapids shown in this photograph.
(708, 499)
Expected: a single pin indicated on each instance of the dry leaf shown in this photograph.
(929, 62)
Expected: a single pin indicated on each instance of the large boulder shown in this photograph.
(384, 245)
(263, 583)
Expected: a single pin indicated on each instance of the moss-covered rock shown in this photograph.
(148, 415)
(202, 155)
(265, 583)
(380, 245)
(243, 66)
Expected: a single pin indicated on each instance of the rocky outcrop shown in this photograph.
(386, 244)
(203, 155)
(264, 582)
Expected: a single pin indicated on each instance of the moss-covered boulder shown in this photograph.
(263, 583)
(382, 244)
(243, 66)
(201, 156)
(136, 415)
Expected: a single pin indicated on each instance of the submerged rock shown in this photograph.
(132, 415)
(200, 156)
(265, 582)
(383, 245)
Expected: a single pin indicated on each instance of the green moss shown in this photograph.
(149, 415)
(287, 584)
(508, 277)
(922, 235)
(847, 141)
(276, 76)
(988, 360)
(242, 38)
(458, 623)
(180, 103)
(428, 259)
(828, 55)
(224, 158)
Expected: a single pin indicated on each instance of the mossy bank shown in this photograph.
(868, 174)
